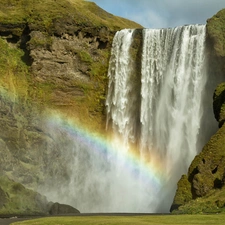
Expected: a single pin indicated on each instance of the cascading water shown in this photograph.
(173, 78)
(172, 85)
(156, 104)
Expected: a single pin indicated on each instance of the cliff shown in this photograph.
(53, 66)
(202, 190)
(53, 61)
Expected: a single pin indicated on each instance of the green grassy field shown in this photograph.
(217, 219)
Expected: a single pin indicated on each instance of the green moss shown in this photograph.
(85, 57)
(43, 92)
(216, 32)
(21, 201)
(219, 90)
(213, 202)
(211, 154)
(44, 42)
(41, 14)
(10, 59)
(206, 177)
(136, 52)
(13, 71)
(183, 193)
(98, 71)
(219, 103)
(17, 187)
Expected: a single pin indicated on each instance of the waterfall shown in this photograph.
(158, 119)
(173, 82)
(161, 117)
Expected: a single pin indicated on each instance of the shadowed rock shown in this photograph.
(57, 209)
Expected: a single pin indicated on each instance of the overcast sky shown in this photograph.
(163, 13)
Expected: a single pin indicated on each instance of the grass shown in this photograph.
(217, 219)
(34, 12)
(215, 31)
(13, 72)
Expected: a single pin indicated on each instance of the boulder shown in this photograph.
(57, 209)
(219, 104)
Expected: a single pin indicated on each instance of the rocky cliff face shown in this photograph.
(53, 60)
(203, 189)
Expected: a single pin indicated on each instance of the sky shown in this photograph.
(163, 13)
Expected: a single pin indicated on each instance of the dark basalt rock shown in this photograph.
(219, 104)
(62, 209)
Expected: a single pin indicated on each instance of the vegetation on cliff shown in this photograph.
(202, 190)
(13, 72)
(54, 56)
(216, 32)
(205, 178)
(219, 104)
(47, 15)
(15, 199)
(40, 26)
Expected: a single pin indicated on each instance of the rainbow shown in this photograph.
(151, 171)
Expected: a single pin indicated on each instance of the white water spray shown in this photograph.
(172, 88)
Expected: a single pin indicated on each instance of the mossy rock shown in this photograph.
(62, 209)
(206, 176)
(13, 72)
(183, 193)
(17, 200)
(216, 32)
(219, 103)
(208, 167)
(213, 202)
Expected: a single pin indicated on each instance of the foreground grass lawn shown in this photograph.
(217, 219)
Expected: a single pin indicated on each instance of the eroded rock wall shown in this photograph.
(53, 60)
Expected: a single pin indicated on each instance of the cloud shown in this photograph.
(163, 13)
